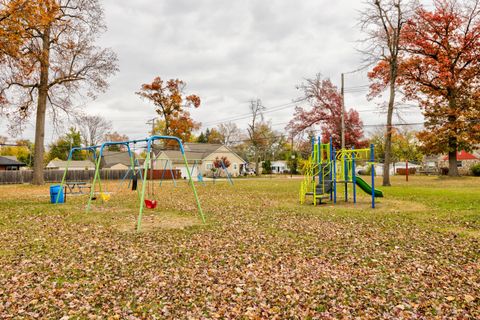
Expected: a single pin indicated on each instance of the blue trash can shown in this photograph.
(54, 190)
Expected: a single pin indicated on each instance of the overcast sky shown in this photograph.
(228, 52)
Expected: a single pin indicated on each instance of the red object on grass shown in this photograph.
(150, 204)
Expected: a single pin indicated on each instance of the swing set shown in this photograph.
(145, 195)
(92, 149)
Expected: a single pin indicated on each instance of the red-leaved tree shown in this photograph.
(218, 162)
(325, 108)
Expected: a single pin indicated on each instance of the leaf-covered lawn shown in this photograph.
(260, 255)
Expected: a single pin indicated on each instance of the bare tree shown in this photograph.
(230, 133)
(382, 21)
(254, 132)
(53, 64)
(93, 128)
(115, 137)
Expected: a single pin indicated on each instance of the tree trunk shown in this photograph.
(452, 156)
(452, 140)
(38, 166)
(257, 164)
(388, 138)
(452, 163)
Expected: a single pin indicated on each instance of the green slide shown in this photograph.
(366, 187)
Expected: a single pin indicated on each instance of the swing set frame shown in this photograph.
(141, 193)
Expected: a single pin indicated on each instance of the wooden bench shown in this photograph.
(76, 187)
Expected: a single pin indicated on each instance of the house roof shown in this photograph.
(177, 157)
(111, 158)
(193, 151)
(205, 148)
(10, 161)
(73, 164)
(463, 155)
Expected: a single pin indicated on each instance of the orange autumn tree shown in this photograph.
(48, 61)
(171, 104)
(181, 127)
(440, 68)
(442, 71)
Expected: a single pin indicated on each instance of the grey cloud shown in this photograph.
(228, 52)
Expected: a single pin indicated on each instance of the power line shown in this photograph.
(248, 115)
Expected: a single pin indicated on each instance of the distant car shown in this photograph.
(250, 172)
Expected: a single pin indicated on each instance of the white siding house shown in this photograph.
(201, 158)
(57, 164)
(279, 166)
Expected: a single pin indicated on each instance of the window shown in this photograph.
(234, 166)
(209, 166)
(459, 164)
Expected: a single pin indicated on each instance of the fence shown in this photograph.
(26, 176)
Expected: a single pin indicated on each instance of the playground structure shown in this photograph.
(97, 188)
(326, 168)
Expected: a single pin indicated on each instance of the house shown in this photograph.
(251, 167)
(117, 160)
(57, 164)
(430, 164)
(403, 165)
(476, 151)
(279, 166)
(393, 167)
(201, 158)
(10, 163)
(465, 161)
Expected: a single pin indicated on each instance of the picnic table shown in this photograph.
(76, 187)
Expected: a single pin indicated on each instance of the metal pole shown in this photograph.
(292, 159)
(343, 111)
(354, 178)
(64, 174)
(331, 168)
(319, 162)
(192, 184)
(173, 173)
(345, 175)
(334, 176)
(406, 171)
(144, 184)
(227, 173)
(372, 159)
(163, 172)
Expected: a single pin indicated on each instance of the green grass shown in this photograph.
(260, 255)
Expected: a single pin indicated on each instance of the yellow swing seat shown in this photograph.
(105, 196)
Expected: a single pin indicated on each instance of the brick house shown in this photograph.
(465, 161)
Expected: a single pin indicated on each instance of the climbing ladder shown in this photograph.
(317, 165)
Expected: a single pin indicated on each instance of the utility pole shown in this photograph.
(343, 111)
(152, 122)
(292, 156)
